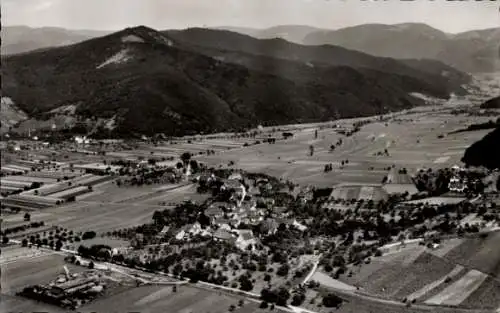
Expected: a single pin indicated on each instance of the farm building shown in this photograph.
(189, 230)
(245, 239)
(269, 226)
(214, 212)
(457, 184)
(74, 285)
(224, 235)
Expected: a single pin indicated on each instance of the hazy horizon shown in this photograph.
(113, 15)
(229, 27)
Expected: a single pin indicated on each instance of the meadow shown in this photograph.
(411, 143)
(159, 299)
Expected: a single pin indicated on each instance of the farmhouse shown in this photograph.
(252, 217)
(248, 206)
(457, 184)
(280, 212)
(214, 212)
(163, 231)
(245, 239)
(73, 285)
(269, 226)
(223, 235)
(189, 231)
(235, 176)
(227, 223)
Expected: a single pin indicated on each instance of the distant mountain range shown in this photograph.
(19, 39)
(472, 51)
(292, 33)
(141, 81)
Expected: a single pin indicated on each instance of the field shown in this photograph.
(114, 208)
(478, 253)
(461, 272)
(32, 270)
(349, 192)
(159, 299)
(412, 144)
(9, 303)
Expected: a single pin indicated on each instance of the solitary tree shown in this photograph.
(27, 217)
(185, 157)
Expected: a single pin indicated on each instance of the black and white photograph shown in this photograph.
(250, 156)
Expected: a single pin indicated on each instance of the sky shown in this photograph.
(448, 16)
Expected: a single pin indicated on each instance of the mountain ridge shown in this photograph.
(148, 82)
(471, 51)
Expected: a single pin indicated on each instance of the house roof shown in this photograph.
(235, 176)
(269, 224)
(232, 184)
(188, 227)
(280, 209)
(220, 204)
(223, 234)
(246, 234)
(221, 221)
(211, 211)
(247, 205)
(165, 229)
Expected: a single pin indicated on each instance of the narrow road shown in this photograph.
(255, 297)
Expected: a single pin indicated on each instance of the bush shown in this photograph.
(88, 235)
(331, 301)
(246, 284)
(283, 270)
(263, 305)
(298, 299)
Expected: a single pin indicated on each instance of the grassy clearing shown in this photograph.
(100, 217)
(91, 214)
(328, 281)
(410, 144)
(113, 193)
(435, 284)
(10, 303)
(158, 299)
(460, 290)
(478, 253)
(30, 271)
(486, 296)
(399, 275)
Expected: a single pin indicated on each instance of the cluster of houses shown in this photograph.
(227, 217)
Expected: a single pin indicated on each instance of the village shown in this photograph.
(267, 218)
(243, 230)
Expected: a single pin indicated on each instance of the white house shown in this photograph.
(245, 238)
(456, 185)
(188, 231)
